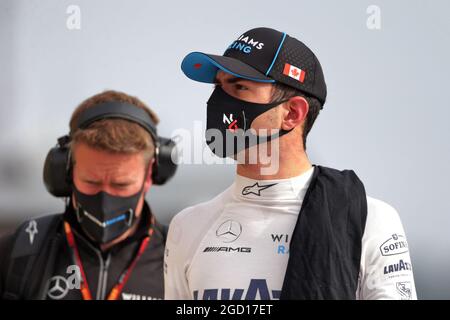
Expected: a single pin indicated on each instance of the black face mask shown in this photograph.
(229, 120)
(105, 217)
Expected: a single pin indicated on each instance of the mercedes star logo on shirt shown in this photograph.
(229, 231)
(58, 288)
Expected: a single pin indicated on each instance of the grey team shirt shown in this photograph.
(236, 246)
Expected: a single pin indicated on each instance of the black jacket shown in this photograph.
(325, 248)
(52, 273)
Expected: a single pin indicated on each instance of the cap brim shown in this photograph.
(203, 67)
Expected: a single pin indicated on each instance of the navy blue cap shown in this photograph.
(262, 55)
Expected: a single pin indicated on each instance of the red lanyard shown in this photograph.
(116, 291)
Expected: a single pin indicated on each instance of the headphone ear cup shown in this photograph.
(164, 168)
(56, 178)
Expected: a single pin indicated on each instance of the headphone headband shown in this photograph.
(57, 178)
(119, 110)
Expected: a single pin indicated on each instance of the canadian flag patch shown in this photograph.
(294, 72)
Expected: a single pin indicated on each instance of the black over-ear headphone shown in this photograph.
(57, 167)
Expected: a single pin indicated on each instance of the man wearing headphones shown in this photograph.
(285, 229)
(107, 244)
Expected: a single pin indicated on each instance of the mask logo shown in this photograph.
(232, 124)
(111, 221)
(227, 135)
(255, 189)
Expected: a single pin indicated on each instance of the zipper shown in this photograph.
(104, 276)
(103, 270)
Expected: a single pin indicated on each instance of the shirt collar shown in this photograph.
(280, 189)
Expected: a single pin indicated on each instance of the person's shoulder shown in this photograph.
(6, 241)
(381, 212)
(33, 230)
(190, 224)
(29, 226)
(383, 220)
(202, 209)
(6, 238)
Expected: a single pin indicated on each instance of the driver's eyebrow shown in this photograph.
(229, 80)
(123, 181)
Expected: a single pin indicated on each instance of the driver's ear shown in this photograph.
(148, 176)
(296, 110)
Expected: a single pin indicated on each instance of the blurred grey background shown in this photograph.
(386, 115)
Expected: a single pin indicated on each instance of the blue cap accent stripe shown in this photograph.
(276, 54)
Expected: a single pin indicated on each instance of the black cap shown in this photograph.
(262, 55)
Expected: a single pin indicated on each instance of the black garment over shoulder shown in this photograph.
(325, 249)
(102, 269)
